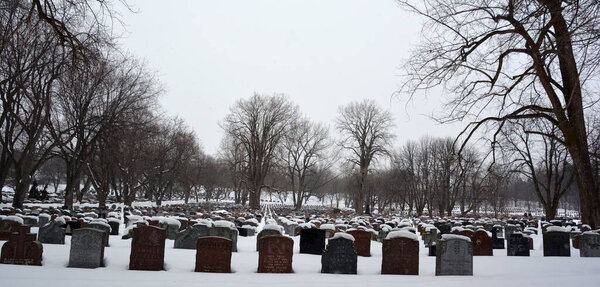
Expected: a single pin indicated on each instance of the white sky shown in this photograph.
(322, 54)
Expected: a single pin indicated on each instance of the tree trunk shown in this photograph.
(255, 199)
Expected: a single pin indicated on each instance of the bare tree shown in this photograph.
(258, 125)
(543, 161)
(232, 154)
(515, 60)
(366, 134)
(303, 152)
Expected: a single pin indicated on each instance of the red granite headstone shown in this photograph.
(362, 242)
(22, 249)
(482, 243)
(8, 227)
(576, 241)
(275, 254)
(147, 248)
(530, 243)
(213, 254)
(400, 256)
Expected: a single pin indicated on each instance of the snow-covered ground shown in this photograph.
(498, 270)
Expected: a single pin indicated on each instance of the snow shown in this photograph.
(554, 228)
(224, 223)
(273, 227)
(402, 234)
(327, 226)
(14, 218)
(113, 220)
(45, 215)
(456, 236)
(343, 235)
(170, 221)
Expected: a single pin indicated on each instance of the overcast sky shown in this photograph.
(321, 54)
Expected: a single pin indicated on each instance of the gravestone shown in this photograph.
(339, 256)
(87, 248)
(226, 232)
(312, 241)
(242, 231)
(518, 245)
(275, 254)
(101, 226)
(147, 248)
(401, 254)
(575, 241)
(454, 255)
(114, 226)
(8, 227)
(213, 254)
(556, 243)
(445, 228)
(187, 239)
(52, 233)
(22, 249)
(362, 242)
(497, 237)
(509, 229)
(482, 243)
(589, 244)
(432, 249)
(72, 225)
(43, 219)
(266, 232)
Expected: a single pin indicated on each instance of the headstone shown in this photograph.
(497, 237)
(22, 249)
(445, 228)
(401, 254)
(72, 225)
(226, 232)
(213, 254)
(556, 243)
(266, 232)
(8, 227)
(454, 255)
(114, 227)
(87, 248)
(187, 239)
(101, 226)
(518, 245)
(362, 242)
(275, 254)
(339, 256)
(147, 248)
(312, 241)
(482, 243)
(43, 219)
(52, 233)
(589, 244)
(432, 249)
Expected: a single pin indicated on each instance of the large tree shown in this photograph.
(505, 60)
(366, 134)
(258, 124)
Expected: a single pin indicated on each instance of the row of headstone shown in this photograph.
(187, 238)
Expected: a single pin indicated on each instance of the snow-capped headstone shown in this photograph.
(518, 245)
(362, 242)
(454, 255)
(43, 219)
(482, 243)
(31, 221)
(589, 244)
(556, 242)
(509, 229)
(22, 248)
(213, 254)
(230, 233)
(266, 232)
(445, 228)
(52, 233)
(401, 254)
(101, 226)
(114, 226)
(339, 256)
(87, 248)
(312, 241)
(147, 248)
(8, 226)
(275, 254)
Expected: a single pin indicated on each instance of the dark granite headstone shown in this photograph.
(312, 241)
(52, 233)
(497, 237)
(518, 245)
(22, 249)
(589, 244)
(339, 257)
(401, 256)
(87, 248)
(147, 248)
(101, 226)
(187, 239)
(432, 248)
(114, 227)
(275, 254)
(362, 242)
(213, 254)
(445, 228)
(556, 243)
